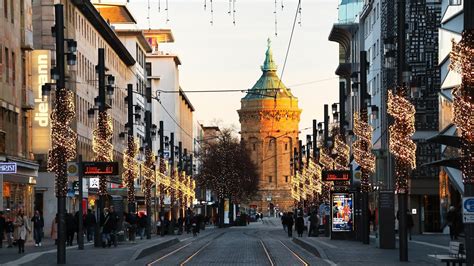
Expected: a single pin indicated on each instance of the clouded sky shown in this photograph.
(224, 56)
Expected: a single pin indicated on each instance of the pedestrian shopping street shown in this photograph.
(257, 244)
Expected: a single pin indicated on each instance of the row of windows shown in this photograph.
(9, 122)
(140, 55)
(371, 19)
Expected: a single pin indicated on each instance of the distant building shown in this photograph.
(269, 118)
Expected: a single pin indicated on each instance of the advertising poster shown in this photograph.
(342, 212)
(41, 124)
(226, 211)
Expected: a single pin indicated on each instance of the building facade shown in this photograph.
(17, 102)
(269, 118)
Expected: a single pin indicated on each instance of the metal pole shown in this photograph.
(342, 108)
(80, 233)
(315, 139)
(60, 84)
(308, 148)
(173, 193)
(130, 138)
(468, 146)
(326, 126)
(300, 153)
(102, 108)
(161, 153)
(402, 197)
(149, 147)
(363, 114)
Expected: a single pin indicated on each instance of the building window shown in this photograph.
(286, 146)
(270, 178)
(12, 11)
(13, 68)
(286, 179)
(254, 147)
(7, 65)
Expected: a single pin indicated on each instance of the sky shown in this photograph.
(223, 56)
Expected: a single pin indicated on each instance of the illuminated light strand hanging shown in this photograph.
(362, 148)
(148, 175)
(167, 12)
(401, 144)
(282, 5)
(205, 5)
(342, 151)
(233, 11)
(212, 14)
(327, 163)
(159, 5)
(102, 146)
(63, 138)
(130, 166)
(276, 19)
(462, 62)
(148, 16)
(161, 177)
(229, 12)
(299, 14)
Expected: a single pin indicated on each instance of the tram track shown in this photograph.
(188, 259)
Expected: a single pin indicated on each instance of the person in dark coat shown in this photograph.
(38, 225)
(132, 229)
(452, 220)
(142, 225)
(70, 228)
(283, 221)
(90, 223)
(2, 228)
(289, 224)
(299, 225)
(9, 230)
(313, 224)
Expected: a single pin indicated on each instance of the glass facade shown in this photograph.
(349, 11)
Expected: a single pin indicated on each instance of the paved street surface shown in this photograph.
(257, 244)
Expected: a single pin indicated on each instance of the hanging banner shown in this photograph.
(41, 124)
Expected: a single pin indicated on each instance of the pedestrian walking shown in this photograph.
(38, 225)
(9, 230)
(21, 229)
(142, 225)
(299, 225)
(90, 223)
(70, 228)
(113, 224)
(283, 221)
(289, 224)
(313, 224)
(2, 228)
(54, 230)
(453, 223)
(132, 226)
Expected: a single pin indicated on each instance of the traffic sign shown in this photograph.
(7, 168)
(468, 210)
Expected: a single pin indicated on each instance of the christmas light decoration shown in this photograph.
(148, 175)
(130, 166)
(362, 148)
(401, 144)
(63, 139)
(342, 151)
(462, 62)
(102, 146)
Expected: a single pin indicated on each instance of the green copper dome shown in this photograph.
(269, 84)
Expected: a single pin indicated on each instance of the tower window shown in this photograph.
(286, 146)
(286, 179)
(270, 178)
(254, 147)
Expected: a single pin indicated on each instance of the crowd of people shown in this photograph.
(309, 223)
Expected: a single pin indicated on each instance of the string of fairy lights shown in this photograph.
(130, 165)
(63, 139)
(102, 145)
(400, 132)
(461, 57)
(278, 6)
(362, 148)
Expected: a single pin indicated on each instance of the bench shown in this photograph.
(456, 254)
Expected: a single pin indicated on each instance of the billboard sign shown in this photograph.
(342, 212)
(41, 124)
(99, 168)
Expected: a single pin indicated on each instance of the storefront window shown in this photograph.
(18, 196)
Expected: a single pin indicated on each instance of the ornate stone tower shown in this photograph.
(269, 118)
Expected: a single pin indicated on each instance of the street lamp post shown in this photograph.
(63, 138)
